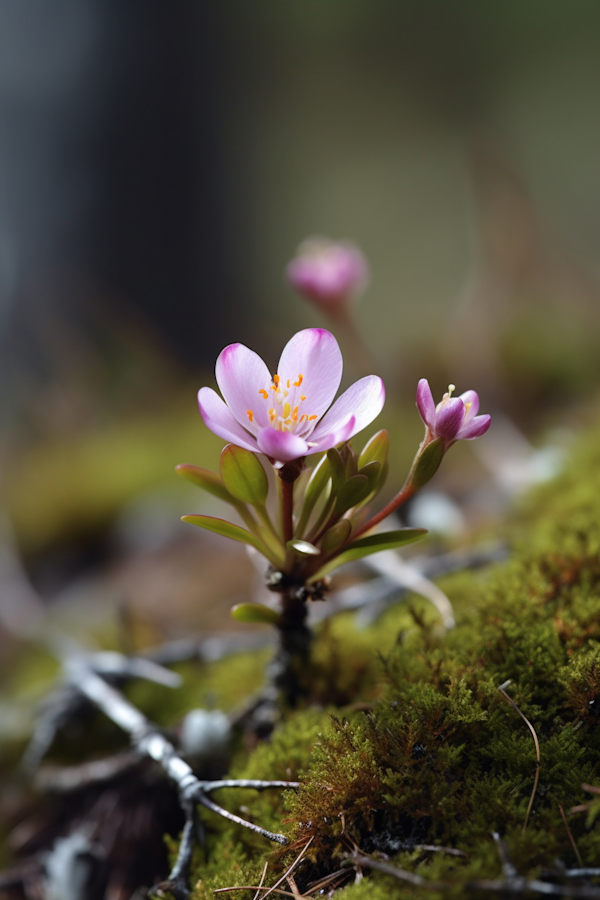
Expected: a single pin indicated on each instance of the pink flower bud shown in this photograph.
(328, 272)
(453, 419)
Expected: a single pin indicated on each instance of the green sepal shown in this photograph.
(373, 543)
(304, 548)
(352, 492)
(229, 530)
(337, 535)
(205, 479)
(372, 471)
(243, 475)
(338, 469)
(255, 613)
(375, 450)
(426, 464)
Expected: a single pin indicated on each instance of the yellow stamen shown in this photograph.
(264, 393)
(250, 414)
(310, 418)
(295, 414)
(302, 418)
(302, 397)
(299, 382)
(271, 415)
(286, 410)
(288, 383)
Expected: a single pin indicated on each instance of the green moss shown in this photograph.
(423, 749)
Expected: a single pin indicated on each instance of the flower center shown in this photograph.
(284, 402)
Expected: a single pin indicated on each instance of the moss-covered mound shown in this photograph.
(417, 760)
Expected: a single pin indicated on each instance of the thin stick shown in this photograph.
(291, 868)
(262, 881)
(571, 838)
(537, 749)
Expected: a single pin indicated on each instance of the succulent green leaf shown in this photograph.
(304, 548)
(243, 475)
(255, 613)
(338, 469)
(337, 535)
(375, 450)
(373, 543)
(316, 484)
(427, 463)
(229, 530)
(349, 459)
(372, 472)
(352, 492)
(205, 479)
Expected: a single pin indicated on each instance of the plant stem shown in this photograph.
(401, 497)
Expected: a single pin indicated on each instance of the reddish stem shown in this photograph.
(401, 497)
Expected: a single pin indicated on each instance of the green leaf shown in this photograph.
(373, 543)
(349, 459)
(338, 469)
(372, 471)
(337, 535)
(208, 481)
(375, 450)
(243, 475)
(229, 530)
(304, 548)
(316, 484)
(255, 612)
(427, 463)
(352, 492)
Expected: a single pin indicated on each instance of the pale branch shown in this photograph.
(149, 741)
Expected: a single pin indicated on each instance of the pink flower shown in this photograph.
(288, 416)
(454, 418)
(328, 272)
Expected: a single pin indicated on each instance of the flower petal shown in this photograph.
(475, 428)
(471, 401)
(449, 418)
(363, 401)
(425, 403)
(281, 445)
(342, 433)
(218, 417)
(241, 374)
(313, 353)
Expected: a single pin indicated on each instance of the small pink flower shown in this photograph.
(287, 416)
(328, 272)
(454, 418)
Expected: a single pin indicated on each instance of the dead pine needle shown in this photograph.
(502, 690)
(571, 838)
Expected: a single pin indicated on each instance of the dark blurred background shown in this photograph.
(160, 162)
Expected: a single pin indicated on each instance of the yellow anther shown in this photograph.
(250, 414)
(288, 383)
(299, 382)
(264, 393)
(286, 410)
(310, 418)
(302, 397)
(271, 415)
(295, 414)
(303, 417)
